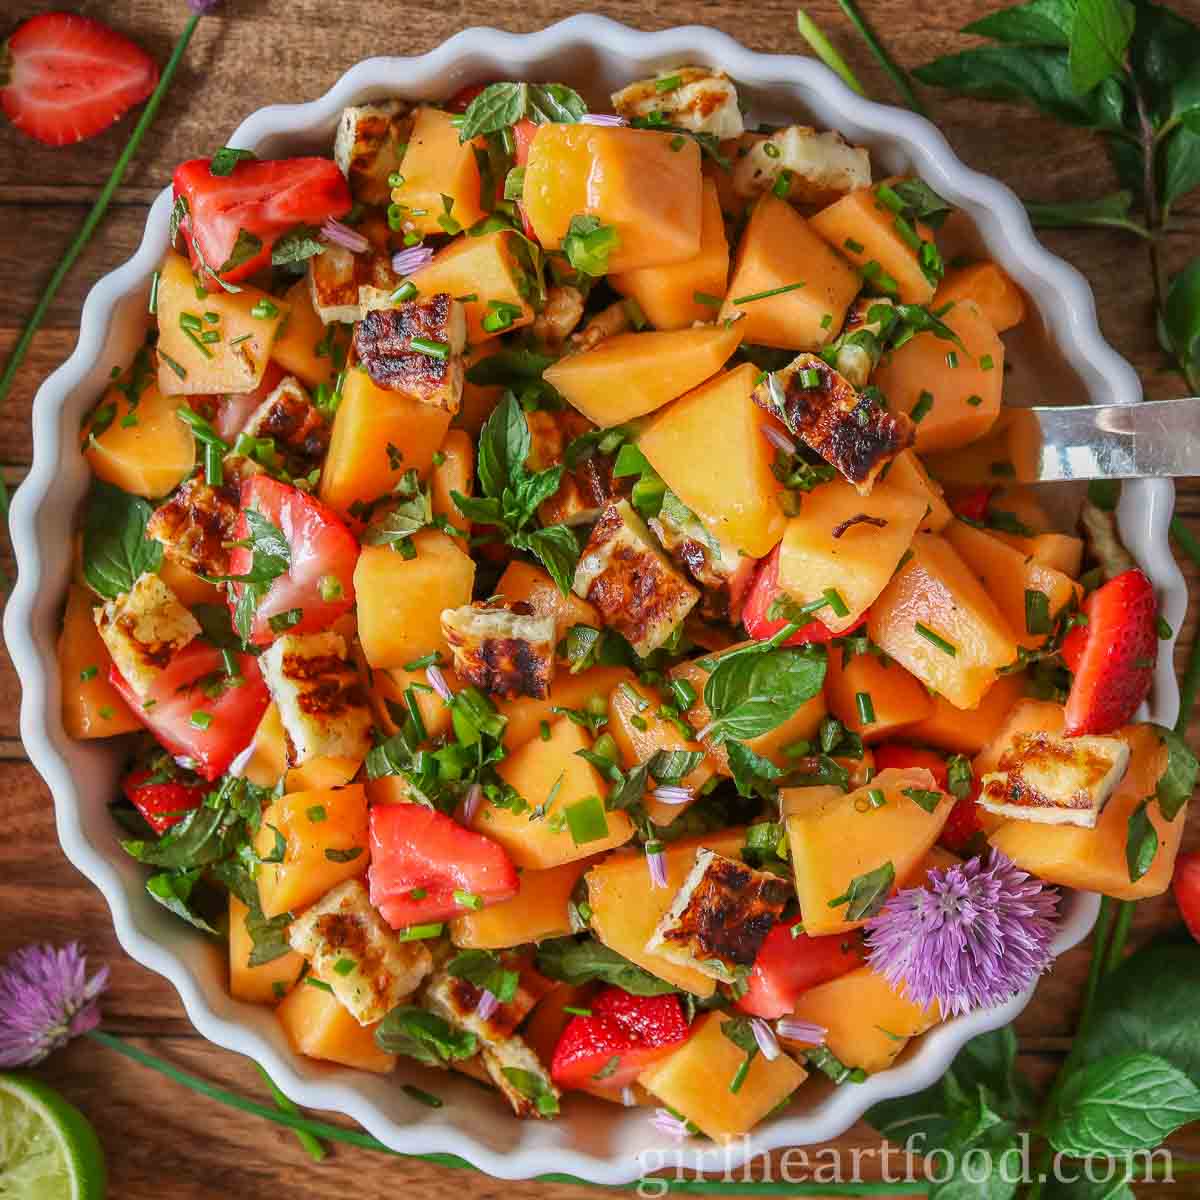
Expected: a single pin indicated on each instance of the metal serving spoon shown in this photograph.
(1053, 444)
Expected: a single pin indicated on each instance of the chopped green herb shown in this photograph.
(316, 814)
(200, 720)
(921, 409)
(344, 966)
(866, 707)
(936, 639)
(779, 291)
(439, 350)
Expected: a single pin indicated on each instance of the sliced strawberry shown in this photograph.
(69, 77)
(235, 408)
(417, 850)
(1187, 891)
(163, 803)
(763, 592)
(894, 754)
(786, 966)
(963, 825)
(622, 1037)
(262, 198)
(972, 503)
(318, 585)
(461, 100)
(1112, 657)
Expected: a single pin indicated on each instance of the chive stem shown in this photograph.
(897, 74)
(310, 1143)
(823, 48)
(1120, 934)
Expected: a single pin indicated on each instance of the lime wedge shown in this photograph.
(48, 1151)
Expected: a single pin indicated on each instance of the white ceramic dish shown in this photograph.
(596, 1141)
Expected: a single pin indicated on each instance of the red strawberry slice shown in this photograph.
(1187, 891)
(963, 824)
(1112, 657)
(66, 77)
(788, 965)
(763, 592)
(622, 1037)
(972, 503)
(894, 754)
(164, 803)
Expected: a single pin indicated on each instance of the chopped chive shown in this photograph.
(191, 337)
(214, 472)
(783, 184)
(936, 639)
(875, 798)
(344, 966)
(668, 83)
(468, 900)
(154, 282)
(952, 358)
(575, 1011)
(771, 150)
(469, 298)
(189, 320)
(107, 712)
(210, 337)
(421, 1096)
(855, 247)
(735, 1084)
(264, 310)
(428, 346)
(544, 729)
(586, 820)
(974, 401)
(237, 341)
(779, 291)
(418, 893)
(986, 362)
(824, 50)
(1165, 632)
(808, 378)
(212, 317)
(418, 933)
(678, 142)
(866, 707)
(1037, 612)
(834, 599)
(320, 984)
(91, 672)
(709, 301)
(827, 320)
(230, 663)
(316, 814)
(200, 720)
(921, 409)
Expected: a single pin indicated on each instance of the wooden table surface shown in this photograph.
(158, 1136)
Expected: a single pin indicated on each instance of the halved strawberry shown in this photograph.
(786, 966)
(65, 77)
(963, 825)
(1112, 657)
(1187, 891)
(895, 754)
(624, 1034)
(764, 591)
(163, 803)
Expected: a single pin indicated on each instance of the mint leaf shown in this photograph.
(226, 159)
(173, 890)
(668, 767)
(750, 694)
(750, 769)
(116, 551)
(534, 1088)
(1038, 23)
(500, 105)
(423, 1035)
(1121, 1104)
(485, 970)
(557, 549)
(1141, 842)
(588, 243)
(1110, 212)
(1100, 36)
(1164, 57)
(504, 444)
(582, 962)
(296, 246)
(1178, 779)
(867, 894)
(246, 247)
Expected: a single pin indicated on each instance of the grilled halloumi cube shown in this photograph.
(608, 322)
(369, 145)
(299, 429)
(196, 523)
(320, 697)
(586, 487)
(505, 650)
(845, 427)
(144, 629)
(820, 167)
(457, 1000)
(350, 947)
(345, 285)
(384, 342)
(860, 347)
(720, 916)
(1055, 780)
(519, 1074)
(627, 577)
(697, 98)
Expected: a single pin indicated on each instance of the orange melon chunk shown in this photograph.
(968, 730)
(779, 249)
(537, 911)
(188, 586)
(629, 179)
(893, 697)
(317, 1026)
(1058, 551)
(632, 374)
(908, 473)
(91, 707)
(266, 763)
(526, 714)
(454, 472)
(437, 164)
(710, 449)
(991, 287)
(936, 620)
(524, 583)
(667, 294)
(302, 345)
(266, 983)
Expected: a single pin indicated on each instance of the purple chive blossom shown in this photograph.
(437, 681)
(46, 999)
(794, 1030)
(488, 1003)
(408, 262)
(470, 805)
(591, 118)
(657, 863)
(765, 1037)
(202, 7)
(973, 937)
(777, 439)
(628, 1097)
(342, 235)
(673, 795)
(669, 1124)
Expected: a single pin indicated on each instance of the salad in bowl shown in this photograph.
(530, 567)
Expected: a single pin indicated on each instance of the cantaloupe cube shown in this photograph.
(780, 250)
(318, 1026)
(537, 911)
(643, 184)
(938, 858)
(377, 436)
(710, 449)
(524, 583)
(823, 551)
(868, 1023)
(640, 733)
(801, 726)
(391, 694)
(247, 322)
(320, 773)
(1094, 859)
(968, 730)
(400, 600)
(559, 788)
(864, 230)
(302, 346)
(936, 619)
(908, 473)
(266, 762)
(837, 839)
(1058, 551)
(526, 714)
(632, 374)
(266, 983)
(991, 287)
(893, 698)
(667, 294)
(626, 906)
(1024, 504)
(453, 472)
(694, 1081)
(965, 381)
(1025, 716)
(188, 586)
(437, 164)
(147, 449)
(91, 706)
(478, 399)
(986, 459)
(482, 267)
(325, 842)
(1010, 577)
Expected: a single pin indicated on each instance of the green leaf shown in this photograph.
(297, 245)
(557, 549)
(270, 552)
(116, 550)
(268, 934)
(226, 159)
(509, 368)
(867, 894)
(1141, 842)
(1121, 1104)
(527, 492)
(417, 1033)
(502, 104)
(1181, 164)
(1181, 320)
(588, 243)
(550, 102)
(922, 203)
(1108, 212)
(173, 890)
(1100, 35)
(1036, 75)
(247, 246)
(749, 768)
(1165, 59)
(503, 446)
(751, 694)
(1178, 780)
(485, 970)
(193, 842)
(668, 767)
(399, 521)
(534, 1088)
(584, 961)
(1038, 23)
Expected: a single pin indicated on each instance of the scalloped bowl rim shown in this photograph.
(1066, 304)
